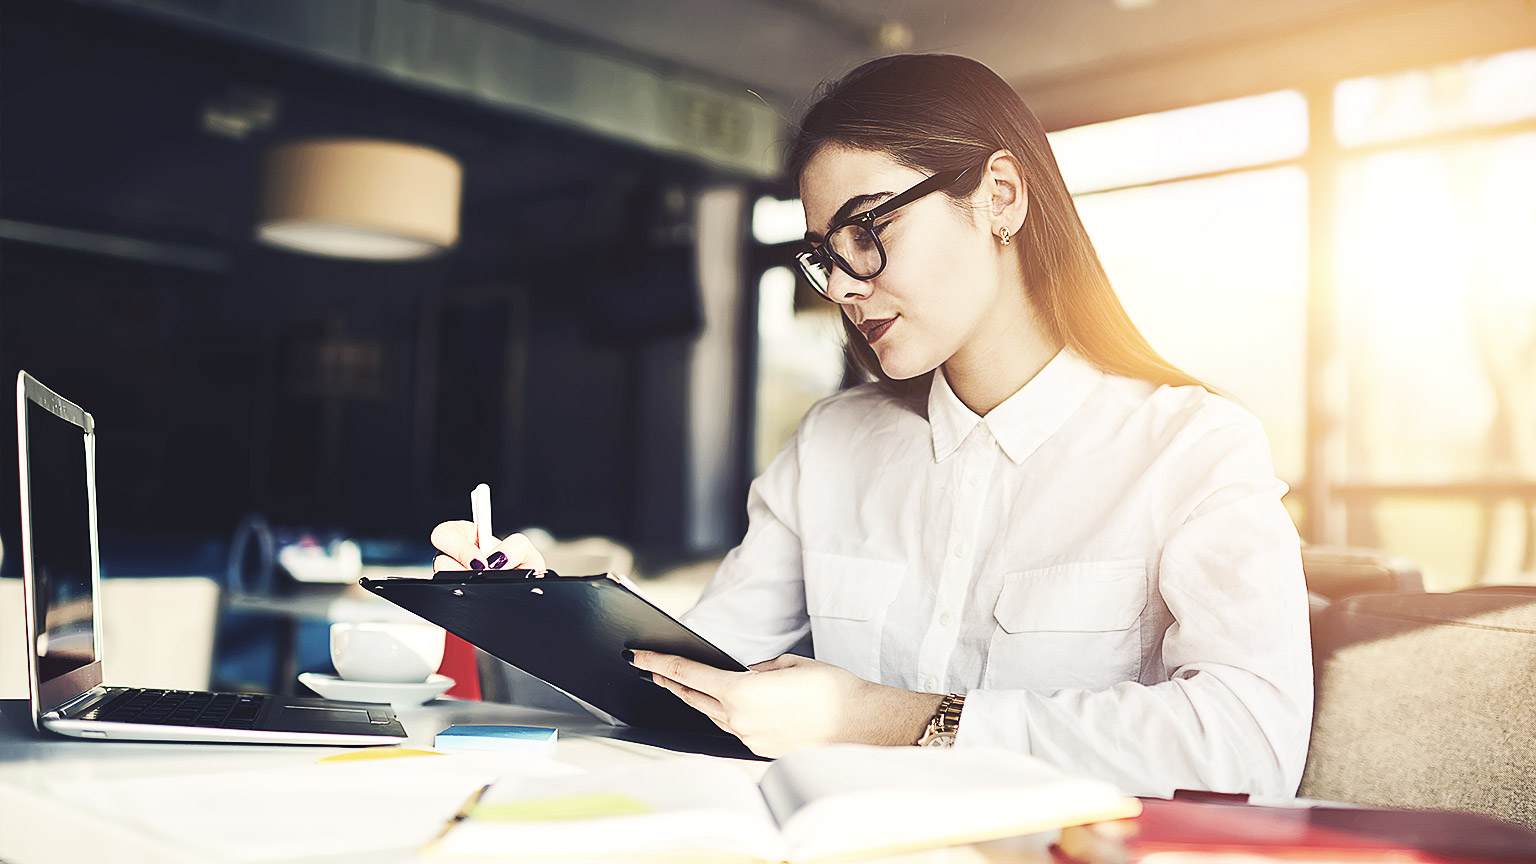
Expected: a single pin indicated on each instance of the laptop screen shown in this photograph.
(60, 521)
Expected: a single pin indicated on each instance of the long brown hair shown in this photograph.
(941, 112)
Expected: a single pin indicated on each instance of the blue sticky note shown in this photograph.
(528, 739)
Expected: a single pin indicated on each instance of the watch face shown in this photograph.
(943, 739)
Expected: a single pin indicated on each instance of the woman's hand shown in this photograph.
(791, 702)
(456, 540)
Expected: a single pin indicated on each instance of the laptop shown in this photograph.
(61, 584)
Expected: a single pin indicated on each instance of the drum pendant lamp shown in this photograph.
(359, 199)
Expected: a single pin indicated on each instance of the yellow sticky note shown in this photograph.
(594, 805)
(376, 753)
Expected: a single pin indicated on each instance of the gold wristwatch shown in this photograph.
(944, 723)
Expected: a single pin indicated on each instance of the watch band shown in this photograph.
(944, 723)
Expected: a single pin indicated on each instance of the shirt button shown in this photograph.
(973, 480)
(930, 684)
(960, 551)
(944, 619)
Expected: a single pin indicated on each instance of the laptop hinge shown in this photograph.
(81, 702)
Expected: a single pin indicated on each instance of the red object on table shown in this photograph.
(1326, 834)
(459, 663)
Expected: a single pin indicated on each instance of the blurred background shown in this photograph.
(1327, 208)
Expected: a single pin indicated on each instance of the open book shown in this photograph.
(821, 803)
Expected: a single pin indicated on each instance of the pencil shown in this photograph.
(469, 804)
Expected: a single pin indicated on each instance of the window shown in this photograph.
(1220, 136)
(1203, 220)
(1212, 270)
(1436, 304)
(799, 336)
(1486, 91)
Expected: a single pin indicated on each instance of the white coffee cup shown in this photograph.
(394, 652)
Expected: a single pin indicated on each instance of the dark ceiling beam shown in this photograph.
(494, 13)
(146, 251)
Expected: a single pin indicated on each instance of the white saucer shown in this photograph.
(397, 695)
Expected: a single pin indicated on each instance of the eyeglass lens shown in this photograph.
(815, 273)
(857, 250)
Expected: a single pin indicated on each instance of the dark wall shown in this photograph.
(227, 377)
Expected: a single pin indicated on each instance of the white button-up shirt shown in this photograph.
(1103, 566)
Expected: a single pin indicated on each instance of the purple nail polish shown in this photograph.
(477, 565)
(497, 560)
(645, 675)
(628, 655)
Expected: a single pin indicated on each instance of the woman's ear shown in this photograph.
(1004, 194)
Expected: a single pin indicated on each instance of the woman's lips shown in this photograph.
(873, 329)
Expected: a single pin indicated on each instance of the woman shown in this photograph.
(1029, 530)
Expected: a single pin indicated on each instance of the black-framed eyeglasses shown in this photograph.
(853, 246)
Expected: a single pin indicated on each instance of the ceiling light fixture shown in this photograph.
(359, 199)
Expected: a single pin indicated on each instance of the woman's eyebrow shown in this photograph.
(857, 203)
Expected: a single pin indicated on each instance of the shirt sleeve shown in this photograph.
(754, 606)
(1235, 713)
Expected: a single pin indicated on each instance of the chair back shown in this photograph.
(1335, 572)
(1427, 701)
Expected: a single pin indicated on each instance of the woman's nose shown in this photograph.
(842, 288)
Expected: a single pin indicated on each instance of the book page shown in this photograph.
(854, 798)
(671, 807)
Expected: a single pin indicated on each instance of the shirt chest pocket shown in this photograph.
(1072, 626)
(847, 598)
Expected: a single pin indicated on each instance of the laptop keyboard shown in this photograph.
(180, 708)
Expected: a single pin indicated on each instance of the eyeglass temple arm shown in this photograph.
(937, 181)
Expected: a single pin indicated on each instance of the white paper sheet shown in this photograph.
(309, 810)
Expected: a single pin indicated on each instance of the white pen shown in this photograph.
(480, 508)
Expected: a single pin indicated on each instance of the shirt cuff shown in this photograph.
(994, 718)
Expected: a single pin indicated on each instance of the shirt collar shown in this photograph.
(1024, 420)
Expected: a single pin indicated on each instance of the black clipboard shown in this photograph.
(570, 632)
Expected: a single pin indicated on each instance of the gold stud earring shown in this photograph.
(1002, 235)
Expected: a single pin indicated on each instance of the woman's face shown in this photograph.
(941, 277)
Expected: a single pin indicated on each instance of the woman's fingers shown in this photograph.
(457, 541)
(689, 674)
(514, 553)
(704, 703)
(443, 563)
